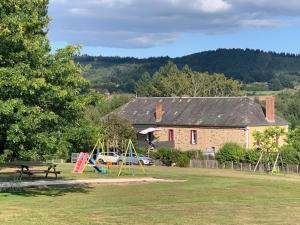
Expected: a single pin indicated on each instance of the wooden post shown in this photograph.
(297, 169)
(275, 163)
(241, 164)
(260, 157)
(232, 165)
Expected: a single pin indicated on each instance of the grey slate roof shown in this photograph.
(197, 111)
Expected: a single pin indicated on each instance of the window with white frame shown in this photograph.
(193, 137)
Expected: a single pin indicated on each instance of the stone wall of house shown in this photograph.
(207, 138)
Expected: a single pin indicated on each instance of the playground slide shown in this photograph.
(97, 168)
(80, 163)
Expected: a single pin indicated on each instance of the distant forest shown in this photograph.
(120, 74)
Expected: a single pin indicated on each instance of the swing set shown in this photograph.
(268, 157)
(129, 151)
(128, 159)
(268, 143)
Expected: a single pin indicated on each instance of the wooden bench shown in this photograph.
(25, 169)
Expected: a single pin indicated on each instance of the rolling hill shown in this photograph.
(119, 74)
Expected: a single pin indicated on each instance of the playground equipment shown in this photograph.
(85, 158)
(268, 144)
(130, 149)
(100, 169)
(80, 163)
(129, 158)
(275, 167)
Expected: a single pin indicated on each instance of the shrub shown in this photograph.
(231, 152)
(6, 156)
(290, 155)
(164, 155)
(192, 154)
(142, 150)
(251, 156)
(169, 156)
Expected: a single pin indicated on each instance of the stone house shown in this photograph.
(199, 123)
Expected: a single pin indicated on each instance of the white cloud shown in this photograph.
(148, 23)
(211, 6)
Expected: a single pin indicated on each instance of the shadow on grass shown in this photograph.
(13, 176)
(45, 191)
(15, 189)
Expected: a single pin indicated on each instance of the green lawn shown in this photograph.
(207, 197)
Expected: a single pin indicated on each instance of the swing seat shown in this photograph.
(275, 170)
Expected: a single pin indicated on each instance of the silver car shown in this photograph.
(135, 160)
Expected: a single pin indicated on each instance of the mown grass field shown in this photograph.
(207, 197)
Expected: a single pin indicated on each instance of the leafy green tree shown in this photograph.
(268, 140)
(205, 84)
(290, 155)
(174, 82)
(288, 106)
(105, 105)
(287, 81)
(145, 85)
(118, 129)
(42, 96)
(275, 85)
(171, 81)
(293, 138)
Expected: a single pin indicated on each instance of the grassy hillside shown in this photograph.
(117, 74)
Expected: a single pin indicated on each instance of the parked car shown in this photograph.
(108, 157)
(135, 160)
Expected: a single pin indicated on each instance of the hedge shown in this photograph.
(231, 152)
(169, 156)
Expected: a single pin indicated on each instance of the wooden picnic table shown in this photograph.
(27, 169)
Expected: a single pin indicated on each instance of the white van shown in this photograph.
(108, 157)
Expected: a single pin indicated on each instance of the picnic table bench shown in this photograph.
(25, 169)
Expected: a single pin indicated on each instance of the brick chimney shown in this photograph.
(270, 108)
(158, 112)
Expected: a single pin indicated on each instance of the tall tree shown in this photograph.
(42, 96)
(171, 81)
(294, 138)
(288, 105)
(269, 140)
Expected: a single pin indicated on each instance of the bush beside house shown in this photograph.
(232, 152)
(169, 156)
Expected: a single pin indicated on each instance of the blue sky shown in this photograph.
(144, 28)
